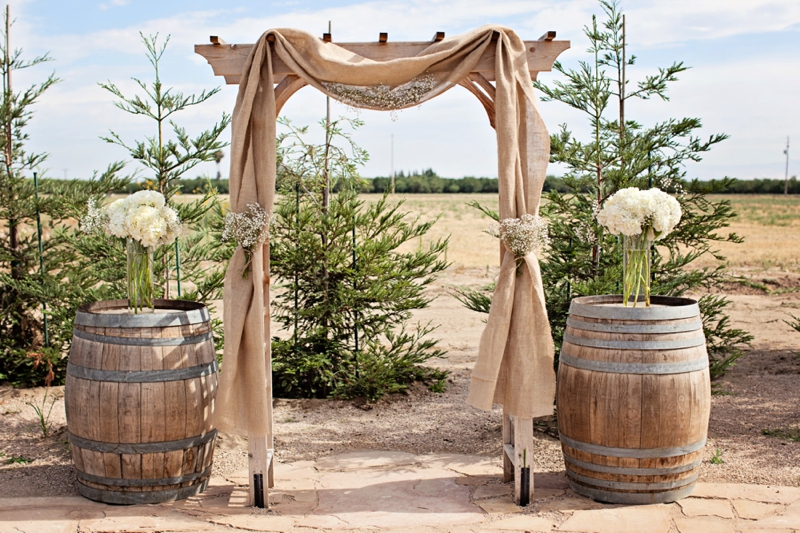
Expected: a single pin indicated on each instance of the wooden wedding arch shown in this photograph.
(228, 60)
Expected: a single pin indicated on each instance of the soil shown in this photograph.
(761, 392)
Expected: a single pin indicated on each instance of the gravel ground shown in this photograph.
(761, 392)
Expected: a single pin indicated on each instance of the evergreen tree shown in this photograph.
(192, 269)
(38, 293)
(347, 290)
(584, 259)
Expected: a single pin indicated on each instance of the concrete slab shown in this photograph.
(491, 491)
(704, 525)
(381, 498)
(750, 510)
(640, 518)
(502, 505)
(741, 491)
(348, 462)
(522, 523)
(706, 507)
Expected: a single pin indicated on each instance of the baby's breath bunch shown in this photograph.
(523, 235)
(383, 96)
(95, 219)
(248, 230)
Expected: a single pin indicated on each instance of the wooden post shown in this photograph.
(517, 453)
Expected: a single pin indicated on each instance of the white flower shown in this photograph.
(632, 212)
(143, 217)
(524, 235)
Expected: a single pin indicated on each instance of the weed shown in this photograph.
(717, 459)
(439, 384)
(18, 459)
(717, 389)
(44, 419)
(790, 434)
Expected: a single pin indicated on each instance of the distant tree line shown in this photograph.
(428, 182)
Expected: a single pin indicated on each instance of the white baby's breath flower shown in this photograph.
(248, 230)
(524, 235)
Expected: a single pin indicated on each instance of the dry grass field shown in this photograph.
(769, 224)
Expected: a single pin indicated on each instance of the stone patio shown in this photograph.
(395, 491)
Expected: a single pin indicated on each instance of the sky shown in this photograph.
(744, 80)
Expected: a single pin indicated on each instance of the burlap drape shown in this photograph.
(516, 352)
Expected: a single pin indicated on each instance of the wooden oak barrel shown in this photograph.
(633, 398)
(139, 397)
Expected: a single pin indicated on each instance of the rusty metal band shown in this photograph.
(635, 498)
(133, 448)
(623, 485)
(188, 313)
(132, 498)
(141, 376)
(664, 308)
(633, 453)
(142, 341)
(605, 469)
(635, 345)
(152, 482)
(613, 367)
(643, 329)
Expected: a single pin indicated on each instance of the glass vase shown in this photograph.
(636, 253)
(141, 292)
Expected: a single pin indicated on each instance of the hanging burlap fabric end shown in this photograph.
(516, 356)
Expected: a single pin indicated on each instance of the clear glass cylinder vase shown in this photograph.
(141, 292)
(636, 253)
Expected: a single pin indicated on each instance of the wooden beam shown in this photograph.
(549, 36)
(228, 59)
(216, 40)
(383, 37)
(438, 36)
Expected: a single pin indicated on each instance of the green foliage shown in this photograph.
(197, 260)
(341, 274)
(789, 433)
(717, 459)
(27, 357)
(43, 412)
(584, 259)
(754, 186)
(19, 460)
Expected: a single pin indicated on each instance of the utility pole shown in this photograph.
(326, 191)
(392, 163)
(786, 175)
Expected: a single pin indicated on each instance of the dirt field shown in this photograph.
(762, 392)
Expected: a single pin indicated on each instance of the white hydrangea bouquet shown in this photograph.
(145, 221)
(639, 217)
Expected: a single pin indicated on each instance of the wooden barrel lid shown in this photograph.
(113, 314)
(610, 306)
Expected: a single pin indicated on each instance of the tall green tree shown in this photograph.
(193, 268)
(34, 282)
(621, 152)
(347, 289)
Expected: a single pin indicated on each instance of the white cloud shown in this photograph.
(742, 97)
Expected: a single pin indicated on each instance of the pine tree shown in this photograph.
(347, 291)
(192, 269)
(38, 292)
(584, 259)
